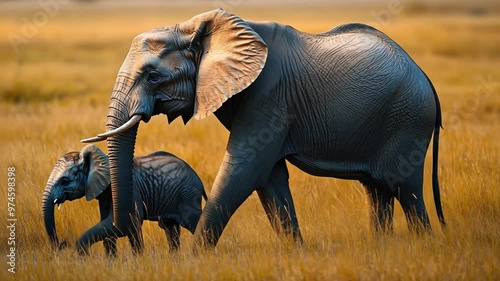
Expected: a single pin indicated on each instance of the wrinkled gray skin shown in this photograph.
(348, 103)
(166, 190)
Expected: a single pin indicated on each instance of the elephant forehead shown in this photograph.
(71, 171)
(74, 170)
(66, 165)
(157, 41)
(71, 157)
(149, 48)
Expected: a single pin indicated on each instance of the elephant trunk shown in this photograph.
(48, 214)
(121, 153)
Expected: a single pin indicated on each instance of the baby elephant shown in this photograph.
(166, 189)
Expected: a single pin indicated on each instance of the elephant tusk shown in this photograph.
(55, 200)
(58, 207)
(122, 128)
(130, 123)
(93, 139)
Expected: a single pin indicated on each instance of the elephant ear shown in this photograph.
(96, 163)
(232, 57)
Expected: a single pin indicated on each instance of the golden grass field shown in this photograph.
(55, 91)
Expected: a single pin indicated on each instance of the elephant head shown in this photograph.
(189, 69)
(75, 175)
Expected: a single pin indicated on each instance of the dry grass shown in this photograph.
(55, 91)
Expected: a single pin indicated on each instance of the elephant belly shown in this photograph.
(160, 209)
(342, 170)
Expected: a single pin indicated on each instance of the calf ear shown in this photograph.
(96, 165)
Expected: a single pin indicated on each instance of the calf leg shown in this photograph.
(100, 232)
(110, 246)
(135, 235)
(136, 242)
(172, 230)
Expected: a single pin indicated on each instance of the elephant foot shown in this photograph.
(82, 251)
(62, 245)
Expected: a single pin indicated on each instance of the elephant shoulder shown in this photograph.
(353, 28)
(359, 28)
(363, 29)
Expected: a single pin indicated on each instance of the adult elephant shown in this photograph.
(348, 103)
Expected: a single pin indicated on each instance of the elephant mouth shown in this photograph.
(129, 124)
(67, 195)
(59, 201)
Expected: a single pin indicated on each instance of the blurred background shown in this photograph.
(83, 34)
(58, 63)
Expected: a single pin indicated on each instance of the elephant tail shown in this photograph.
(435, 152)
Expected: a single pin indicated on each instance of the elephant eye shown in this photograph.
(64, 181)
(154, 78)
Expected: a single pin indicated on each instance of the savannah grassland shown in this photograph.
(55, 91)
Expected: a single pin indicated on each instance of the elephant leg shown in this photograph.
(110, 246)
(105, 205)
(382, 208)
(277, 201)
(134, 233)
(173, 231)
(410, 195)
(225, 197)
(136, 241)
(247, 164)
(99, 232)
